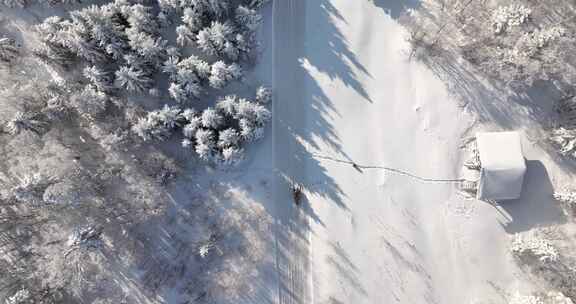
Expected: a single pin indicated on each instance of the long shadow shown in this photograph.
(395, 8)
(536, 207)
(328, 49)
(301, 123)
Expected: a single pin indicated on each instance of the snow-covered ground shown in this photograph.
(346, 94)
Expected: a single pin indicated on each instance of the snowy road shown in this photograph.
(345, 94)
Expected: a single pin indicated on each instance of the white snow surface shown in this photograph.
(346, 94)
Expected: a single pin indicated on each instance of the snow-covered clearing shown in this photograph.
(347, 94)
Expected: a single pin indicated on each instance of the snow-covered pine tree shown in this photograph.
(221, 74)
(190, 74)
(170, 116)
(169, 6)
(189, 130)
(90, 102)
(189, 114)
(248, 19)
(227, 105)
(173, 51)
(53, 48)
(25, 121)
(170, 67)
(212, 39)
(263, 95)
(184, 36)
(132, 79)
(254, 113)
(8, 50)
(193, 20)
(98, 20)
(204, 151)
(211, 119)
(249, 131)
(140, 18)
(194, 89)
(205, 144)
(158, 124)
(76, 35)
(213, 9)
(149, 48)
(98, 78)
(232, 156)
(261, 114)
(178, 93)
(199, 67)
(228, 138)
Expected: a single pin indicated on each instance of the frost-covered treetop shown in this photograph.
(508, 16)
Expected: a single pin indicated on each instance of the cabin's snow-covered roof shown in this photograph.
(503, 165)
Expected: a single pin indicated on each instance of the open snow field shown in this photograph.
(347, 94)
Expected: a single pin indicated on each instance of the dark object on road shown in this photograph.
(296, 190)
(356, 167)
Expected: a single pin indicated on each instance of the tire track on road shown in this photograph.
(292, 223)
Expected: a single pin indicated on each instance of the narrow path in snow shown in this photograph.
(292, 223)
(398, 171)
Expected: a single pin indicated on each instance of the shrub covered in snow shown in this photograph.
(263, 95)
(565, 139)
(567, 198)
(505, 17)
(550, 297)
(531, 43)
(533, 246)
(517, 298)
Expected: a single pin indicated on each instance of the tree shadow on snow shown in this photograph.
(302, 109)
(395, 8)
(536, 207)
(328, 50)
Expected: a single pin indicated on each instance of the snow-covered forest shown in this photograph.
(104, 104)
(286, 152)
